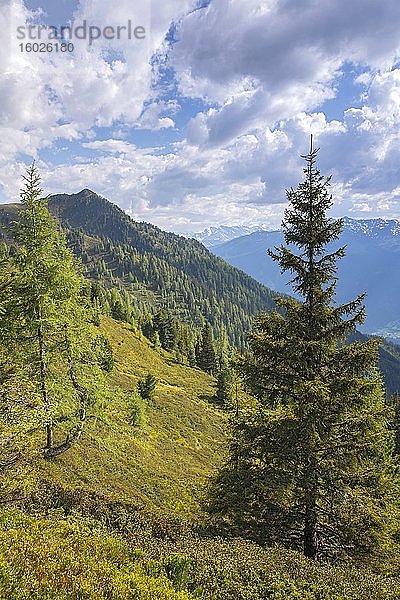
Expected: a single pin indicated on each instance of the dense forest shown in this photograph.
(181, 274)
(158, 443)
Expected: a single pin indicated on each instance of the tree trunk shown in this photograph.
(74, 435)
(45, 397)
(310, 518)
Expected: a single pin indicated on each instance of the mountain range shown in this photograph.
(161, 270)
(213, 236)
(371, 265)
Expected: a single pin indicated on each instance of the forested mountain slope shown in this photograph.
(164, 269)
(120, 514)
(113, 509)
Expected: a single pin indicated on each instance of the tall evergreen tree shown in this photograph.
(44, 327)
(311, 466)
(222, 348)
(223, 392)
(147, 387)
(206, 358)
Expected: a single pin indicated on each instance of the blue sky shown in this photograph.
(56, 12)
(203, 122)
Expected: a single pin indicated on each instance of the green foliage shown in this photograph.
(161, 270)
(238, 570)
(137, 410)
(147, 387)
(311, 464)
(167, 328)
(394, 403)
(205, 355)
(177, 568)
(223, 392)
(153, 270)
(45, 329)
(104, 353)
(111, 468)
(61, 559)
(160, 467)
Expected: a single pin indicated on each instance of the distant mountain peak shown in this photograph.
(215, 235)
(86, 192)
(376, 228)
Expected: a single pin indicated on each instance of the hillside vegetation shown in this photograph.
(161, 466)
(162, 269)
(142, 459)
(57, 558)
(138, 488)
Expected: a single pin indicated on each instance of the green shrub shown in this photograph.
(76, 558)
(217, 569)
(105, 355)
(147, 387)
(72, 559)
(137, 410)
(177, 568)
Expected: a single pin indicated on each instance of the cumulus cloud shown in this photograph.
(270, 60)
(255, 74)
(281, 44)
(154, 115)
(86, 88)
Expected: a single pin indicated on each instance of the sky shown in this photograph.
(203, 122)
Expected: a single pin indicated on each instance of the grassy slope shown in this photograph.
(165, 465)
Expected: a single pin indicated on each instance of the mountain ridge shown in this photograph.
(371, 264)
(213, 236)
(175, 273)
(220, 234)
(171, 271)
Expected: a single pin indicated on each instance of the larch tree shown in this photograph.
(45, 330)
(311, 465)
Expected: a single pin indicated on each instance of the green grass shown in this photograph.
(165, 464)
(47, 558)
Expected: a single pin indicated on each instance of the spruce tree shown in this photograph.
(311, 465)
(44, 327)
(223, 393)
(206, 358)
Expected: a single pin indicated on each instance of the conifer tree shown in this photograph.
(222, 348)
(44, 328)
(20, 413)
(191, 355)
(147, 387)
(223, 393)
(312, 465)
(206, 358)
(156, 341)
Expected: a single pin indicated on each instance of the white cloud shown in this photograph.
(262, 61)
(80, 90)
(151, 117)
(262, 68)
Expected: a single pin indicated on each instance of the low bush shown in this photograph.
(48, 558)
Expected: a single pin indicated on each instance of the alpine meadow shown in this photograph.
(172, 429)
